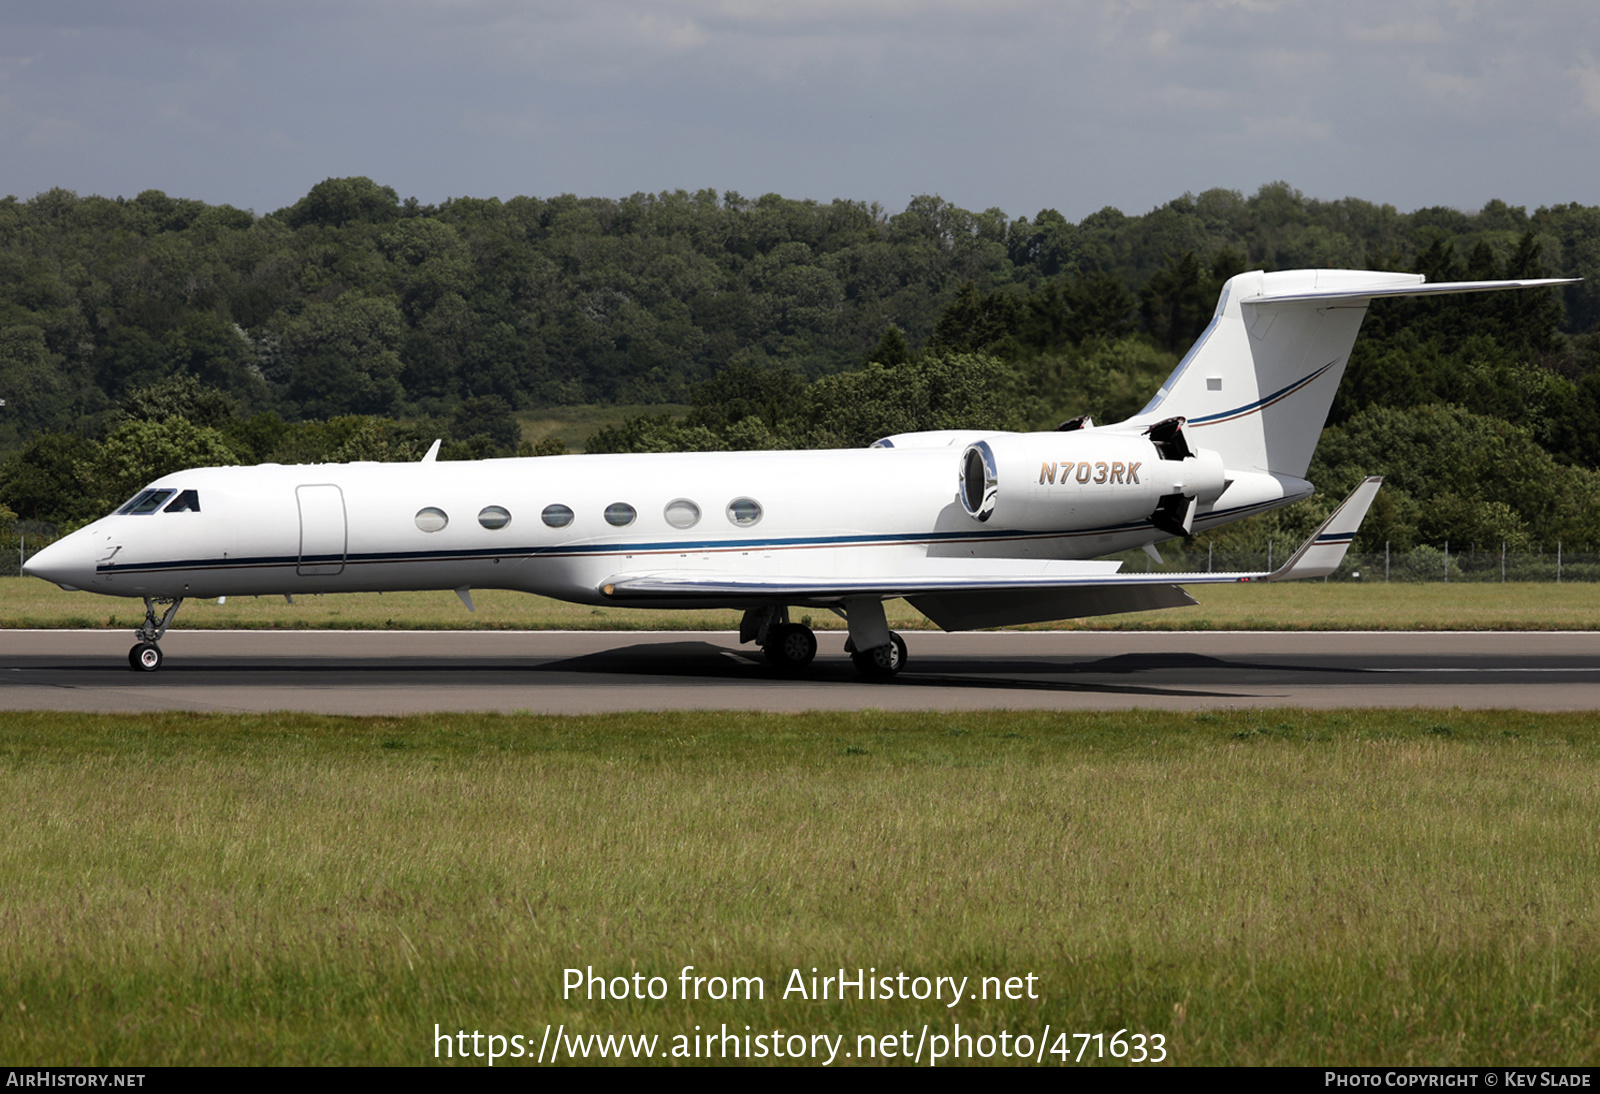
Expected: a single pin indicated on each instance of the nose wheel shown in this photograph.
(146, 655)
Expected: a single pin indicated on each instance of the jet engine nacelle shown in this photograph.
(1086, 479)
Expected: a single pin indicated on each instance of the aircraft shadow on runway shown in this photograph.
(707, 661)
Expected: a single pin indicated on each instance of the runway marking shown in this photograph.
(1492, 668)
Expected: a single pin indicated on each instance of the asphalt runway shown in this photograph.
(368, 672)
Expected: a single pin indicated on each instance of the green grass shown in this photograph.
(1284, 887)
(29, 602)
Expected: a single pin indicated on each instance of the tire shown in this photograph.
(882, 662)
(145, 657)
(790, 647)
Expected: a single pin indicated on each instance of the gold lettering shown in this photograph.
(1047, 473)
(1133, 474)
(1100, 471)
(1083, 472)
(1116, 471)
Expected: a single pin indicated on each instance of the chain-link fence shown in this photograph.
(23, 540)
(1443, 563)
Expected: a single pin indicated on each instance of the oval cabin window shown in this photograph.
(556, 516)
(619, 514)
(682, 513)
(431, 519)
(744, 512)
(494, 516)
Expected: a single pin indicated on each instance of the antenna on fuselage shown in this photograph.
(433, 453)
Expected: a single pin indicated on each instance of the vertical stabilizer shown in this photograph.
(1257, 385)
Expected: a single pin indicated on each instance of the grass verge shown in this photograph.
(1256, 887)
(576, 424)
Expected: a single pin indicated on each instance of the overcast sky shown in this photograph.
(1020, 104)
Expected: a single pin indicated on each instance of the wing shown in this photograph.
(990, 592)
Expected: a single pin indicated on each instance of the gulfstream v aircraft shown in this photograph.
(976, 529)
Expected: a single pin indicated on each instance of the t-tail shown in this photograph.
(1257, 386)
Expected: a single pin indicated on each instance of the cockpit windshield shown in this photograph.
(147, 501)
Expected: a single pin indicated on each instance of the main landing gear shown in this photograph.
(790, 646)
(146, 655)
(877, 652)
(880, 662)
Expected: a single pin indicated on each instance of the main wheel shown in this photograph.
(882, 662)
(145, 657)
(790, 646)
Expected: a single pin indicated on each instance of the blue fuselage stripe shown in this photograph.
(782, 543)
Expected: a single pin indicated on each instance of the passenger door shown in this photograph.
(323, 533)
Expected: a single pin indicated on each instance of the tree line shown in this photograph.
(138, 334)
(352, 301)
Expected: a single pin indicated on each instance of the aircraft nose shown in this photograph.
(68, 562)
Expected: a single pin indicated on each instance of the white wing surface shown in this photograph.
(960, 594)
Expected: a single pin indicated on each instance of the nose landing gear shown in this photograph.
(146, 655)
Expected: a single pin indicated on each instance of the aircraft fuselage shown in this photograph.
(498, 524)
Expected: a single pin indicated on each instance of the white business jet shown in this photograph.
(976, 529)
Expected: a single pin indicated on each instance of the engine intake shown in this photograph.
(980, 481)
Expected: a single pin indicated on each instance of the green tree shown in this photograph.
(489, 417)
(938, 390)
(138, 451)
(335, 203)
(976, 321)
(52, 479)
(362, 437)
(1051, 245)
(544, 446)
(770, 395)
(654, 433)
(1443, 463)
(31, 382)
(1070, 311)
(215, 352)
(1108, 380)
(1178, 301)
(348, 356)
(180, 396)
(892, 348)
(257, 438)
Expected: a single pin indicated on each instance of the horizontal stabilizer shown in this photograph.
(1321, 554)
(1418, 287)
